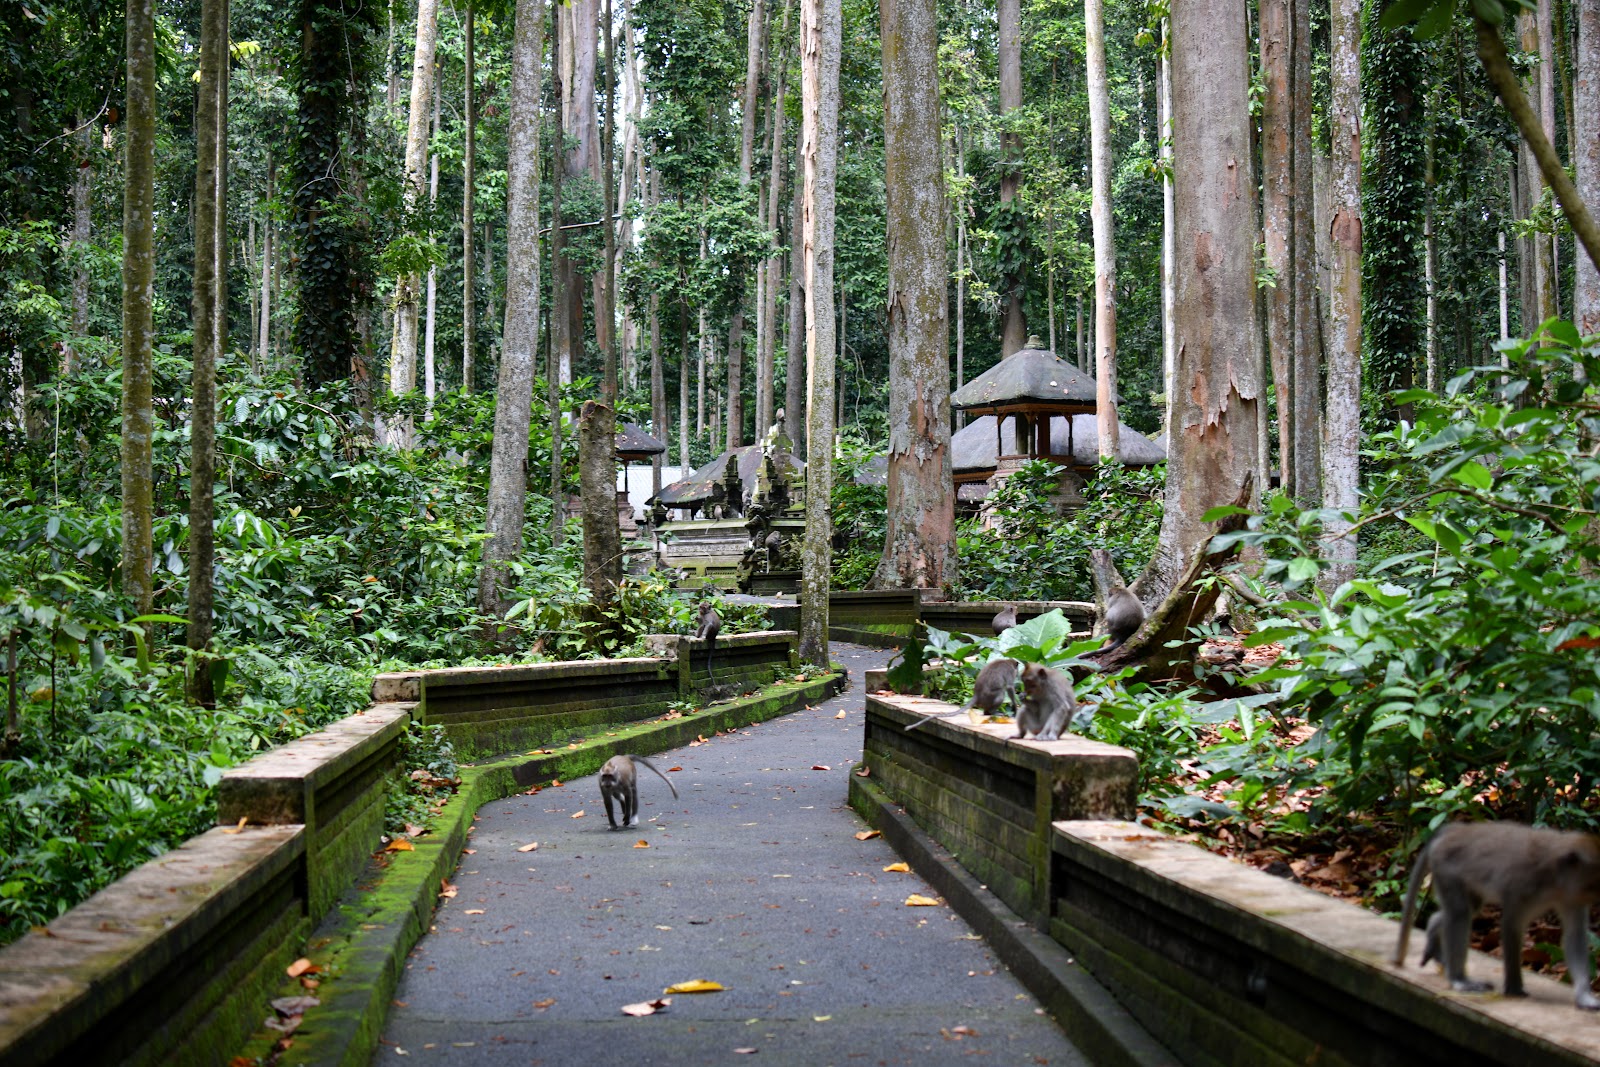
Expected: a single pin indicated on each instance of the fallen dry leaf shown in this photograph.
(580, 813)
(839, 716)
(446, 890)
(671, 769)
(529, 847)
(294, 1005)
(243, 819)
(641, 843)
(868, 835)
(308, 982)
(821, 767)
(864, 772)
(647, 1007)
(301, 966)
(897, 868)
(820, 1018)
(917, 900)
(399, 844)
(473, 911)
(744, 1051)
(695, 985)
(543, 1004)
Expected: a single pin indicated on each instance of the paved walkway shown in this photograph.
(753, 879)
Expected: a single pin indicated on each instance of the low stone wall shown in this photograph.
(171, 964)
(491, 710)
(989, 799)
(1229, 965)
(977, 616)
(883, 606)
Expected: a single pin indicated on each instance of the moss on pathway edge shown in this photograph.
(361, 947)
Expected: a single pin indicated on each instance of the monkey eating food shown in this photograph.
(707, 626)
(1527, 872)
(995, 686)
(1047, 702)
(619, 778)
(1124, 615)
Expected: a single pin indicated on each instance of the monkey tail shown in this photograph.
(664, 778)
(1408, 911)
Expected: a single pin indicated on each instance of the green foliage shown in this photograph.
(1034, 554)
(1463, 673)
(429, 776)
(860, 515)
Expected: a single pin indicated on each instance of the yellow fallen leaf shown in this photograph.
(545, 1003)
(868, 835)
(299, 967)
(641, 843)
(446, 890)
(839, 716)
(235, 829)
(897, 868)
(473, 911)
(399, 844)
(820, 1018)
(529, 847)
(578, 814)
(917, 900)
(696, 985)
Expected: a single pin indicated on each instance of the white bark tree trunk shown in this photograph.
(1105, 249)
(1586, 113)
(403, 353)
(821, 39)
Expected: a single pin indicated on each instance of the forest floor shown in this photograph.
(755, 878)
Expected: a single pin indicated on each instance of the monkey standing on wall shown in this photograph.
(619, 778)
(1527, 872)
(707, 626)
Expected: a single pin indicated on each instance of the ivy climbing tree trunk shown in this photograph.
(1213, 438)
(138, 305)
(1341, 442)
(821, 40)
(210, 331)
(920, 545)
(507, 510)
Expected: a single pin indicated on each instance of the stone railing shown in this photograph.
(175, 962)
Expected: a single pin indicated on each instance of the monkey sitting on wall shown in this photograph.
(1527, 872)
(1047, 702)
(620, 779)
(996, 685)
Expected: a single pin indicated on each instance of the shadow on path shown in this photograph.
(753, 879)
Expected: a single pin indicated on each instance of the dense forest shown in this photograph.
(315, 315)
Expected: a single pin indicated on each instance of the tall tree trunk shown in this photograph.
(1105, 249)
(961, 265)
(920, 544)
(269, 248)
(507, 510)
(1277, 218)
(469, 183)
(795, 387)
(403, 352)
(1213, 441)
(1014, 327)
(1545, 74)
(210, 332)
(683, 389)
(1169, 347)
(1308, 351)
(821, 39)
(558, 369)
(658, 393)
(1586, 156)
(1342, 412)
(138, 305)
(768, 357)
(430, 377)
(579, 48)
(605, 309)
(82, 233)
(602, 542)
(1430, 346)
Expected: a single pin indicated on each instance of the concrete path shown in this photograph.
(753, 879)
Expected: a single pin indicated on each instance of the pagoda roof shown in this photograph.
(973, 447)
(699, 486)
(1031, 376)
(635, 439)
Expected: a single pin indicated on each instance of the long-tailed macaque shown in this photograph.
(619, 778)
(1527, 872)
(1005, 619)
(1124, 615)
(1047, 702)
(995, 686)
(706, 628)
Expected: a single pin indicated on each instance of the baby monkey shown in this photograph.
(706, 628)
(1527, 872)
(1047, 702)
(1124, 615)
(619, 778)
(995, 686)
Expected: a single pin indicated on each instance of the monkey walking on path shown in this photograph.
(994, 687)
(619, 778)
(1527, 872)
(707, 626)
